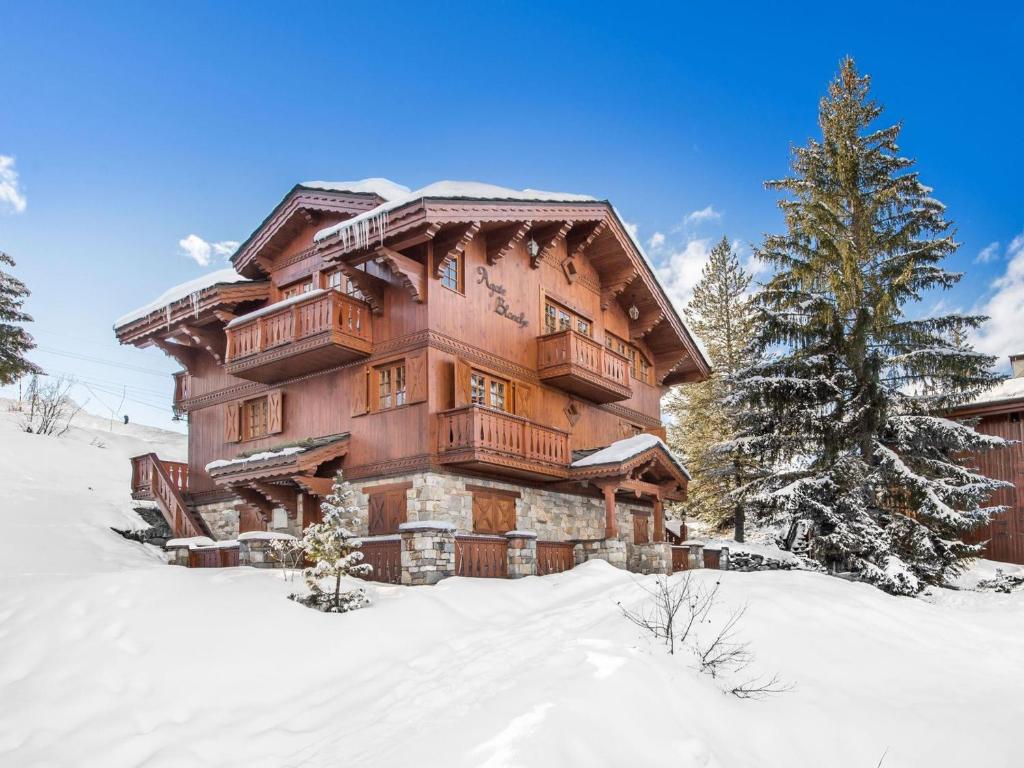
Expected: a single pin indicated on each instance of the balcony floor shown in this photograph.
(286, 361)
(587, 384)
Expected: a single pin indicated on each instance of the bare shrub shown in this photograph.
(48, 408)
(678, 612)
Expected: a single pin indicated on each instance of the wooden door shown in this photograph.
(493, 512)
(641, 529)
(387, 510)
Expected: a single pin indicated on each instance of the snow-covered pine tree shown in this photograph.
(334, 550)
(705, 423)
(15, 341)
(847, 411)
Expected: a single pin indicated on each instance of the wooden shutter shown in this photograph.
(376, 522)
(641, 534)
(493, 513)
(416, 377)
(523, 400)
(231, 422)
(386, 512)
(463, 372)
(360, 385)
(275, 412)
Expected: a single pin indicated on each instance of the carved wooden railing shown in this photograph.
(554, 557)
(475, 427)
(481, 556)
(319, 312)
(164, 483)
(574, 348)
(385, 555)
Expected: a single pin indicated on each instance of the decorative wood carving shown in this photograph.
(214, 343)
(581, 236)
(280, 496)
(408, 271)
(224, 316)
(186, 356)
(372, 288)
(644, 324)
(255, 500)
(548, 238)
(451, 246)
(318, 486)
(615, 283)
(501, 241)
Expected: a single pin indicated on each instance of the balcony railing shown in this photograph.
(142, 475)
(182, 390)
(501, 441)
(578, 364)
(317, 330)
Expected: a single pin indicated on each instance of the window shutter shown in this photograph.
(275, 412)
(376, 523)
(462, 375)
(416, 377)
(524, 400)
(231, 425)
(360, 385)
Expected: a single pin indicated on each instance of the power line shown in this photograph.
(102, 361)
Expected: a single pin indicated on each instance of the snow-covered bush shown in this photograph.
(333, 550)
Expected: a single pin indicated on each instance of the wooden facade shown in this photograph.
(1003, 536)
(488, 337)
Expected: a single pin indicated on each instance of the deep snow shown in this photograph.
(110, 658)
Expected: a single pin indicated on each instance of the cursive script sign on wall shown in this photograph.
(501, 307)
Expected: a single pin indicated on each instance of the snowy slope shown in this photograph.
(129, 662)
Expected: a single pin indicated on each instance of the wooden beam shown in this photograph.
(611, 525)
(416, 239)
(659, 520)
(372, 288)
(615, 283)
(318, 486)
(408, 271)
(500, 242)
(644, 324)
(214, 343)
(224, 316)
(254, 500)
(454, 245)
(186, 356)
(580, 238)
(281, 496)
(548, 239)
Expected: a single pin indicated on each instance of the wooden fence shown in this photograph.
(554, 557)
(481, 556)
(213, 557)
(385, 555)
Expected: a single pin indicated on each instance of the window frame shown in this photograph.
(246, 417)
(397, 394)
(559, 318)
(488, 382)
(458, 265)
(296, 288)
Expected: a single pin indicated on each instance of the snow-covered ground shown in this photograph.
(110, 658)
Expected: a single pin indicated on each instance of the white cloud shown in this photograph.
(680, 272)
(11, 195)
(1003, 334)
(632, 228)
(707, 213)
(200, 250)
(987, 254)
(657, 240)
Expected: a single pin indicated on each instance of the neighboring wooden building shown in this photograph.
(457, 351)
(1000, 412)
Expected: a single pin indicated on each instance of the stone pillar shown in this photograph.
(178, 554)
(659, 520)
(611, 550)
(655, 557)
(723, 559)
(696, 555)
(428, 551)
(522, 554)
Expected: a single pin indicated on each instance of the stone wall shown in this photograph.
(655, 557)
(613, 551)
(522, 554)
(222, 519)
(428, 552)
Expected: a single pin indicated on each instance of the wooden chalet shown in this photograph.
(1000, 412)
(461, 353)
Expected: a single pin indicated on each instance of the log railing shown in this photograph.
(385, 555)
(554, 557)
(475, 427)
(164, 482)
(574, 348)
(481, 556)
(319, 312)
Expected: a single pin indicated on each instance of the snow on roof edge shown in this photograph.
(181, 291)
(627, 448)
(385, 188)
(1005, 390)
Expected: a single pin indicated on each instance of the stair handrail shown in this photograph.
(166, 490)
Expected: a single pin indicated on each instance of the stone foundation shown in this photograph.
(522, 554)
(428, 552)
(177, 555)
(221, 518)
(613, 551)
(654, 557)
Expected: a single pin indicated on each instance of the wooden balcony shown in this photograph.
(142, 475)
(320, 330)
(165, 482)
(578, 364)
(498, 442)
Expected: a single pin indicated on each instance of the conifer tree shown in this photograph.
(847, 412)
(334, 549)
(15, 341)
(705, 422)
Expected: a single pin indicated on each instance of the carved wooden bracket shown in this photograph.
(548, 238)
(614, 283)
(372, 288)
(408, 271)
(667, 362)
(280, 496)
(318, 486)
(582, 236)
(453, 246)
(186, 356)
(501, 241)
(416, 238)
(224, 316)
(254, 500)
(214, 343)
(643, 325)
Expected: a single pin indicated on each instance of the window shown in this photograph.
(615, 344)
(304, 286)
(334, 279)
(451, 275)
(390, 385)
(255, 418)
(488, 390)
(557, 318)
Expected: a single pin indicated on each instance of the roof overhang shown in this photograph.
(283, 466)
(669, 477)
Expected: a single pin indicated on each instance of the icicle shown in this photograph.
(194, 298)
(167, 316)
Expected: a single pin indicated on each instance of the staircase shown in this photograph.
(165, 482)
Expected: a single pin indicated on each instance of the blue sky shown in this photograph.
(127, 129)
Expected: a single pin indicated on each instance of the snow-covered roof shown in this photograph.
(623, 450)
(275, 306)
(264, 456)
(447, 190)
(178, 292)
(265, 536)
(385, 188)
(191, 541)
(1008, 389)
